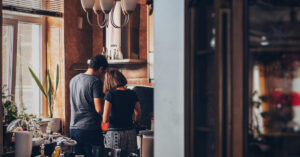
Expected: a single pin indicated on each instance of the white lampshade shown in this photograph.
(128, 6)
(87, 4)
(97, 8)
(107, 5)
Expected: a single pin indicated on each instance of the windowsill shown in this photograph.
(126, 61)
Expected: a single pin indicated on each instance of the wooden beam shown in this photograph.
(238, 83)
(55, 56)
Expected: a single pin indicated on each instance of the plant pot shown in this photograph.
(55, 124)
(44, 125)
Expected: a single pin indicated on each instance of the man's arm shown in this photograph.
(99, 105)
(98, 96)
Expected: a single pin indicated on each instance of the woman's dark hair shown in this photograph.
(98, 61)
(113, 79)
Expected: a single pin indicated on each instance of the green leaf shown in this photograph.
(49, 85)
(50, 92)
(37, 81)
(57, 77)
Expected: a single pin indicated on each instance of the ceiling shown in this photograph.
(274, 23)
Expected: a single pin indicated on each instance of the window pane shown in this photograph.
(28, 55)
(274, 46)
(7, 35)
(7, 56)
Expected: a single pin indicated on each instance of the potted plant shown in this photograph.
(50, 93)
(10, 109)
(10, 114)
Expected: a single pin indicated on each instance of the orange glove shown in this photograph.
(104, 126)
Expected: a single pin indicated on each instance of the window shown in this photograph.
(23, 48)
(274, 61)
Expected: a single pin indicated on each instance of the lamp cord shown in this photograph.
(104, 24)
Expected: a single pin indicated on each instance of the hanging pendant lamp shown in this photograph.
(107, 6)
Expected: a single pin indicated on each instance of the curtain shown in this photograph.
(9, 57)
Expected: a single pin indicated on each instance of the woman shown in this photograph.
(121, 108)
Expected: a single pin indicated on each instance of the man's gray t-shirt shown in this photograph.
(83, 89)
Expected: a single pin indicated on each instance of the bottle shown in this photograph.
(104, 52)
(42, 151)
(56, 152)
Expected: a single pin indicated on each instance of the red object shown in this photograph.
(277, 97)
(104, 126)
(295, 99)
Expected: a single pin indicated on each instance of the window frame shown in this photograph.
(10, 19)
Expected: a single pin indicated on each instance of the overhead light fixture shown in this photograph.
(107, 6)
(128, 6)
(97, 7)
(87, 4)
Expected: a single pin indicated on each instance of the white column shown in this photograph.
(113, 35)
(169, 78)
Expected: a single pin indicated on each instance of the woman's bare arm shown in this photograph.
(106, 112)
(137, 111)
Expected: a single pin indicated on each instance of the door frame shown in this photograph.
(240, 78)
(232, 142)
(190, 54)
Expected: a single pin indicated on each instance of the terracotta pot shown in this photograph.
(43, 126)
(55, 124)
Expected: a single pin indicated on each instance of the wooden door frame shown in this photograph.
(190, 82)
(237, 83)
(240, 78)
(1, 105)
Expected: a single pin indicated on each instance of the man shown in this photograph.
(86, 96)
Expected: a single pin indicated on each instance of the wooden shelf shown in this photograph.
(127, 61)
(274, 49)
(282, 134)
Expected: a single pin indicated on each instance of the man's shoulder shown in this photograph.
(85, 77)
(75, 77)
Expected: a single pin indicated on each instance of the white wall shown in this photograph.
(169, 78)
